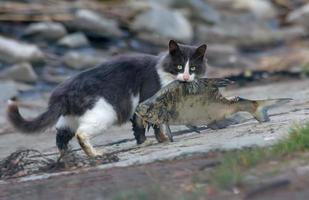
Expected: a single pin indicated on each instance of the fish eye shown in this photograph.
(179, 67)
(192, 68)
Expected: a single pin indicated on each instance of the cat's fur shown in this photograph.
(95, 99)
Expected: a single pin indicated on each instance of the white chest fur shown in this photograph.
(165, 78)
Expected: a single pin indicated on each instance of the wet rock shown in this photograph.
(221, 55)
(74, 40)
(164, 3)
(302, 170)
(46, 30)
(288, 59)
(21, 72)
(12, 51)
(159, 25)
(300, 16)
(199, 10)
(79, 60)
(91, 22)
(8, 89)
(251, 35)
(217, 51)
(292, 32)
(227, 56)
(260, 8)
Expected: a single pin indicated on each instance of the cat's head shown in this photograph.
(185, 62)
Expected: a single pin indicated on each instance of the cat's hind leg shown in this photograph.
(85, 144)
(66, 127)
(95, 121)
(64, 135)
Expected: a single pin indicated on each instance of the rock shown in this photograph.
(21, 72)
(12, 51)
(292, 32)
(74, 40)
(46, 30)
(300, 16)
(79, 60)
(288, 59)
(302, 170)
(91, 22)
(200, 10)
(8, 90)
(227, 56)
(159, 25)
(250, 36)
(164, 3)
(260, 8)
(216, 51)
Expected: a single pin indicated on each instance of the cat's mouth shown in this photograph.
(185, 77)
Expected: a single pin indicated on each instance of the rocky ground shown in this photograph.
(260, 44)
(194, 150)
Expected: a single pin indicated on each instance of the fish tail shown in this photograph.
(262, 106)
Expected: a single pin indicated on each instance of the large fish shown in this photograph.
(199, 103)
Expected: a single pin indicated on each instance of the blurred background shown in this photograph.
(44, 42)
(253, 42)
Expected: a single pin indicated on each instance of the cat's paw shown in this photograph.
(146, 143)
(99, 153)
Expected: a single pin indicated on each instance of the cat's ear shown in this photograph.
(173, 47)
(200, 51)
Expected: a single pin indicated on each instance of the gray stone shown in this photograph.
(46, 30)
(12, 51)
(220, 55)
(242, 35)
(8, 90)
(292, 32)
(218, 51)
(262, 9)
(302, 170)
(79, 60)
(91, 22)
(21, 72)
(74, 40)
(200, 10)
(300, 16)
(165, 3)
(159, 24)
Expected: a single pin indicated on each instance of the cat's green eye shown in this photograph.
(192, 68)
(179, 67)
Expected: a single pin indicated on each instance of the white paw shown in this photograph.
(146, 143)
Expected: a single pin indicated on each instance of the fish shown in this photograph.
(200, 103)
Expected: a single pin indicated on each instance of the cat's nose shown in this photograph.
(186, 77)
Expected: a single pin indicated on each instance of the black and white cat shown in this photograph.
(108, 94)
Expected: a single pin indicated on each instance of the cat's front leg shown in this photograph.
(138, 129)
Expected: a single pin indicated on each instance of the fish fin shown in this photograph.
(168, 132)
(219, 124)
(193, 128)
(263, 106)
(219, 82)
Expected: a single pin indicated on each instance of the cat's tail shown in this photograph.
(39, 123)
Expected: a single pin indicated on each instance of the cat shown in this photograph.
(106, 95)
